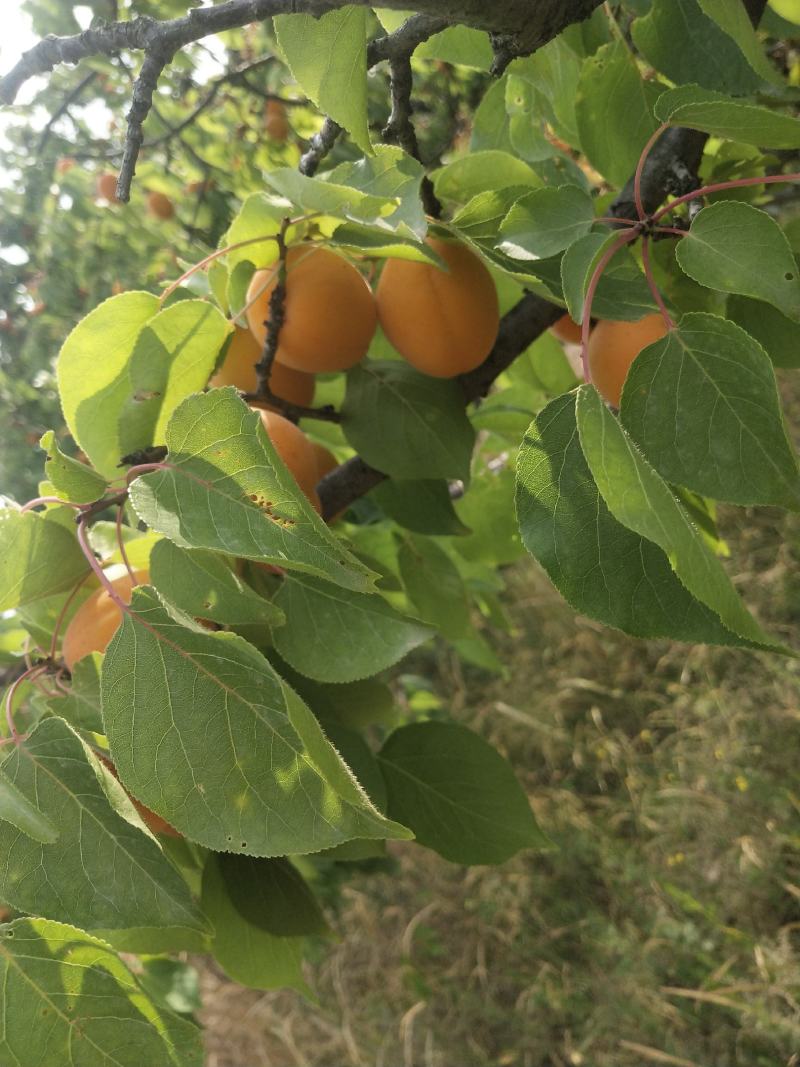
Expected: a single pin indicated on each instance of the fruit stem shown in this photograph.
(29, 675)
(121, 545)
(717, 187)
(586, 322)
(675, 230)
(651, 281)
(637, 178)
(93, 562)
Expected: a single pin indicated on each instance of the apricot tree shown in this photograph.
(309, 443)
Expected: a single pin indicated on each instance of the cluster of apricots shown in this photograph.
(613, 346)
(442, 322)
(159, 205)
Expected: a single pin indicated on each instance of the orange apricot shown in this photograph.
(97, 620)
(330, 314)
(276, 123)
(613, 346)
(566, 329)
(326, 461)
(295, 450)
(442, 322)
(160, 206)
(106, 187)
(239, 369)
(64, 165)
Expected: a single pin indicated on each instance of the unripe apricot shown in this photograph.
(330, 315)
(97, 620)
(106, 187)
(443, 323)
(160, 206)
(613, 346)
(326, 461)
(239, 369)
(295, 450)
(567, 329)
(276, 123)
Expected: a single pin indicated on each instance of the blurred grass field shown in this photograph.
(665, 926)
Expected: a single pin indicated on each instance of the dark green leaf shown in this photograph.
(434, 586)
(622, 293)
(272, 895)
(224, 750)
(407, 424)
(719, 115)
(19, 811)
(335, 635)
(101, 872)
(710, 373)
(423, 506)
(736, 248)
(38, 557)
(458, 793)
(546, 222)
(226, 490)
(104, 1019)
(779, 336)
(205, 586)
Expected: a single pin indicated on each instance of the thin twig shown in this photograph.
(400, 130)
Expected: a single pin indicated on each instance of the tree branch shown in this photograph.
(400, 130)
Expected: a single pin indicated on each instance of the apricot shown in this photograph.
(566, 329)
(97, 620)
(239, 369)
(64, 165)
(326, 461)
(276, 123)
(330, 311)
(443, 323)
(106, 187)
(296, 451)
(613, 346)
(160, 206)
(152, 821)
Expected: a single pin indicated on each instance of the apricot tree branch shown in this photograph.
(400, 130)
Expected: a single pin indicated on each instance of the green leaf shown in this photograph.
(526, 129)
(554, 71)
(490, 122)
(102, 872)
(338, 201)
(19, 811)
(434, 586)
(355, 705)
(545, 222)
(81, 707)
(460, 45)
(488, 509)
(720, 116)
(710, 373)
(423, 506)
(223, 750)
(69, 999)
(70, 479)
(407, 424)
(736, 248)
(733, 19)
(393, 174)
(779, 336)
(602, 568)
(38, 557)
(226, 490)
(469, 175)
(272, 895)
(335, 635)
(614, 110)
(174, 356)
(328, 57)
(205, 586)
(259, 216)
(706, 55)
(481, 217)
(93, 380)
(245, 952)
(622, 293)
(457, 793)
(639, 499)
(363, 240)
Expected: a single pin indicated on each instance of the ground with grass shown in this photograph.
(663, 928)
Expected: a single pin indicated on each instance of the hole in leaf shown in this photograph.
(789, 276)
